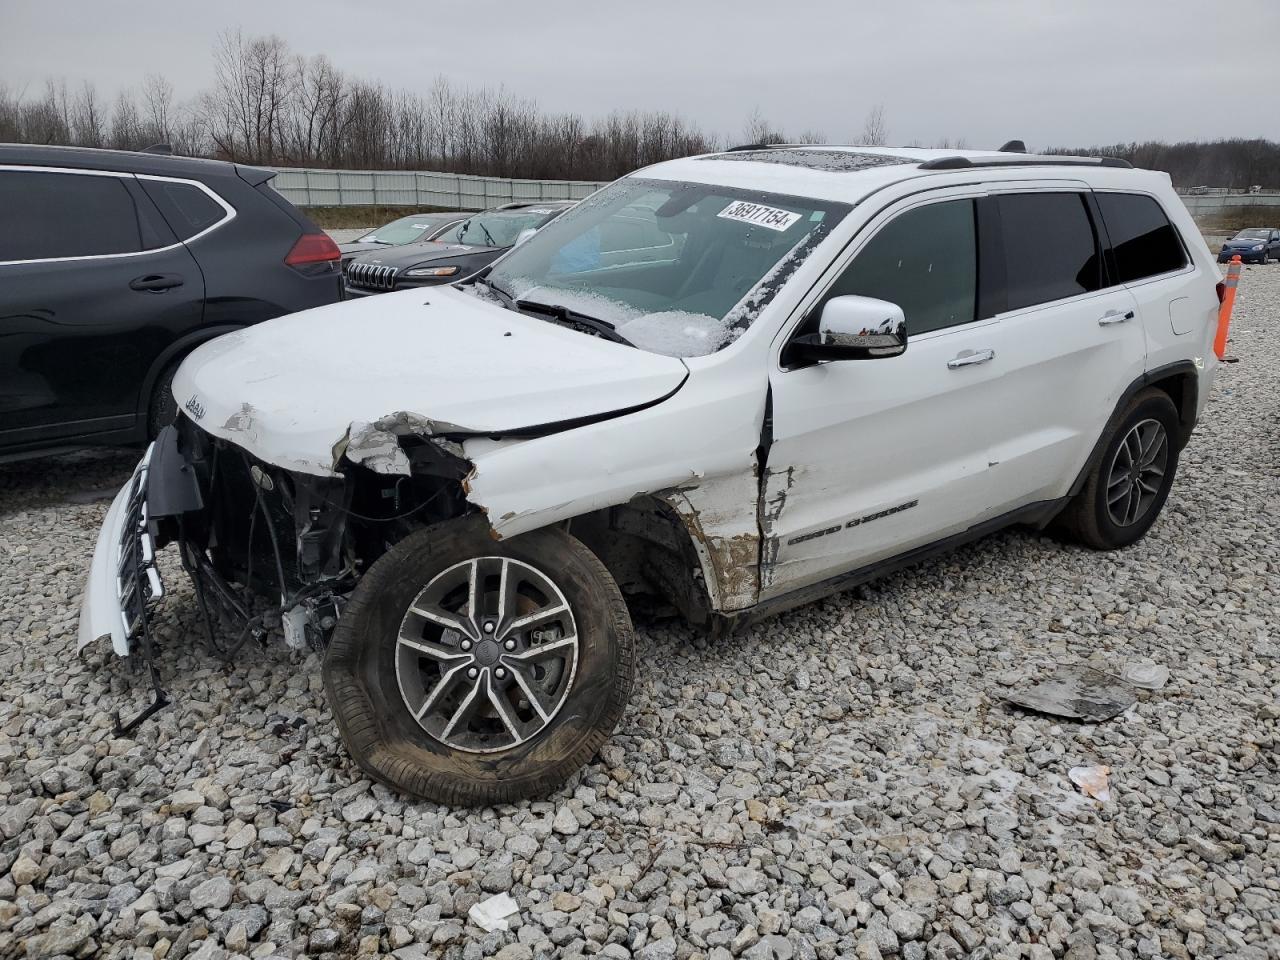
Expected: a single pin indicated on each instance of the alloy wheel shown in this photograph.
(486, 654)
(1137, 472)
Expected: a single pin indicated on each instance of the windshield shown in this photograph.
(497, 228)
(1254, 234)
(407, 230)
(676, 268)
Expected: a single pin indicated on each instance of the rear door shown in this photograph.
(93, 286)
(1068, 342)
(1148, 257)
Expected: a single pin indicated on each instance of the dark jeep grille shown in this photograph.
(371, 276)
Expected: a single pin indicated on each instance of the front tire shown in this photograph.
(1126, 489)
(471, 671)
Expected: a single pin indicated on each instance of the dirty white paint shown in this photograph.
(720, 517)
(293, 390)
(343, 383)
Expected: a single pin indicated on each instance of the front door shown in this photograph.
(870, 458)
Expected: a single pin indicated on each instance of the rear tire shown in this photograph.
(1126, 489)
(409, 650)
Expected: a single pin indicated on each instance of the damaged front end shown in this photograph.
(263, 546)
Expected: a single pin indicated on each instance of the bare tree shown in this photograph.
(157, 107)
(759, 130)
(88, 119)
(874, 132)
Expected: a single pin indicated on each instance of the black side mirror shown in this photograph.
(852, 328)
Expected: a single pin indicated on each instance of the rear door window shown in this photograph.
(59, 215)
(1050, 248)
(1143, 241)
(187, 208)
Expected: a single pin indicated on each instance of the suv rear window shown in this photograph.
(56, 215)
(188, 209)
(1143, 240)
(1049, 245)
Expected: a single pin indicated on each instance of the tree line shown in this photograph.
(1237, 163)
(268, 105)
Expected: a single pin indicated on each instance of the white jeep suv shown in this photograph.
(733, 383)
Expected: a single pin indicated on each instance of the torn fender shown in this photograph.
(720, 517)
(696, 452)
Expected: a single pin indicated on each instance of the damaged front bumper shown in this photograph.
(124, 583)
(123, 580)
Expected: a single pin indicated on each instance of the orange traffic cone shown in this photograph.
(1229, 284)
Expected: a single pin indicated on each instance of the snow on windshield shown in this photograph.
(673, 333)
(676, 268)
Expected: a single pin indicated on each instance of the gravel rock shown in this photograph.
(212, 894)
(839, 781)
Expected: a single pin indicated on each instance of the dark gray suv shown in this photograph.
(115, 265)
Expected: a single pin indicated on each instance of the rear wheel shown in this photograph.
(1127, 487)
(472, 671)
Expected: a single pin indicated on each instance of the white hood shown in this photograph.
(295, 390)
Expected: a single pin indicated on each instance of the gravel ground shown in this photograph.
(842, 781)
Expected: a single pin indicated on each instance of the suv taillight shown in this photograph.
(313, 248)
(1222, 292)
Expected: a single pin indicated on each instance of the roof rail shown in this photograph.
(756, 146)
(160, 149)
(960, 163)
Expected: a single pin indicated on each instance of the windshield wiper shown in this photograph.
(507, 297)
(487, 235)
(602, 327)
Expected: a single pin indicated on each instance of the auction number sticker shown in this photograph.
(759, 215)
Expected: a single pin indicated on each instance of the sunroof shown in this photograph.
(833, 161)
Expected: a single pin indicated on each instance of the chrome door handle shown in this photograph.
(1114, 316)
(967, 358)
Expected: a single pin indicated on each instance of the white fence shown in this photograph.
(414, 188)
(1217, 199)
(454, 191)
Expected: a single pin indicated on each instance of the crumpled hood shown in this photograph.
(301, 390)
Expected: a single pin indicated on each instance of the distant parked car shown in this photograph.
(1253, 244)
(456, 253)
(115, 265)
(414, 228)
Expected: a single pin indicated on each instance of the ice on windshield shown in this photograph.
(676, 268)
(673, 333)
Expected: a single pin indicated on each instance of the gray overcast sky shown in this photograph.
(1052, 72)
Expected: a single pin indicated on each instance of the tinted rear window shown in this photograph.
(1049, 245)
(195, 209)
(1142, 238)
(52, 215)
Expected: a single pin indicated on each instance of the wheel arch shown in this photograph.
(1179, 380)
(174, 351)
